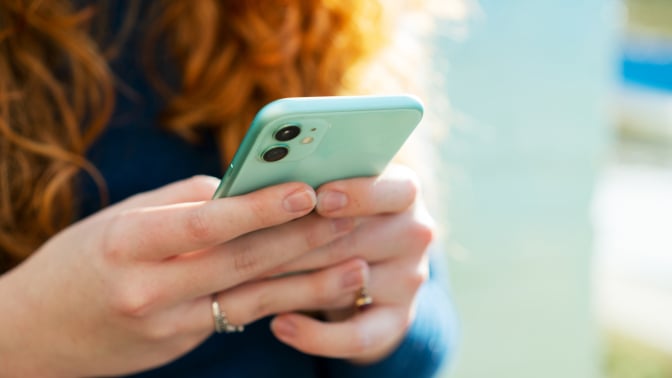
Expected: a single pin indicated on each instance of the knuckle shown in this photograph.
(408, 184)
(415, 280)
(423, 233)
(197, 226)
(319, 232)
(132, 300)
(312, 239)
(343, 248)
(245, 261)
(413, 187)
(112, 246)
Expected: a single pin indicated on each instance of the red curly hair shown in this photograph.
(57, 91)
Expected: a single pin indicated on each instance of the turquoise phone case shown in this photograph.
(340, 137)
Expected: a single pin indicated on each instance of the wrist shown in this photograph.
(19, 340)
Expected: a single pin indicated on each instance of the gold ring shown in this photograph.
(363, 300)
(222, 324)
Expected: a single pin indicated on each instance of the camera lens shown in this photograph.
(287, 133)
(275, 153)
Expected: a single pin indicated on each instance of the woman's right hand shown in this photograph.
(130, 287)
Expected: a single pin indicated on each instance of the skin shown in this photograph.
(393, 233)
(130, 287)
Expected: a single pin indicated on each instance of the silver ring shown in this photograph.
(222, 324)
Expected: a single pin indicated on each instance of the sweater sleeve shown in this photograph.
(429, 343)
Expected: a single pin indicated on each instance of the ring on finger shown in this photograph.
(363, 300)
(222, 324)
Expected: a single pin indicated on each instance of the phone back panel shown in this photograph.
(341, 137)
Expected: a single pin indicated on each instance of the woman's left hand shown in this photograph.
(393, 234)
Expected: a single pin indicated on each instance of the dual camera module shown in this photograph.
(284, 134)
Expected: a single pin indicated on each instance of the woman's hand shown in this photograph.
(393, 233)
(130, 287)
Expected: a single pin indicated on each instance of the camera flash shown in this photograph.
(307, 140)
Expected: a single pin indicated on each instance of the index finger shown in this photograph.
(393, 191)
(164, 231)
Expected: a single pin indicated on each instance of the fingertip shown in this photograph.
(286, 327)
(388, 193)
(283, 327)
(331, 201)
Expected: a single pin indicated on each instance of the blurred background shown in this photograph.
(559, 201)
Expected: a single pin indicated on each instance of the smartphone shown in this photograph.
(320, 139)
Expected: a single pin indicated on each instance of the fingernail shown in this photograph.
(284, 328)
(353, 278)
(300, 201)
(331, 201)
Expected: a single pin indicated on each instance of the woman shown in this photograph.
(120, 103)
